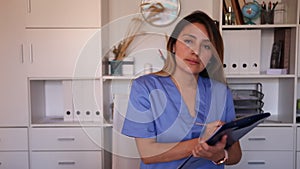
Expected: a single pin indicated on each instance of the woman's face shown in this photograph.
(193, 48)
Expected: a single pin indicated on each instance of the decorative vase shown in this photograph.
(116, 67)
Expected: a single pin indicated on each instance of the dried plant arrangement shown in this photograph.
(134, 27)
(120, 50)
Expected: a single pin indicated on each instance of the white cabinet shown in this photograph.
(264, 147)
(63, 37)
(298, 160)
(13, 87)
(63, 160)
(63, 139)
(269, 138)
(64, 13)
(63, 52)
(14, 160)
(67, 102)
(298, 149)
(63, 46)
(14, 148)
(74, 147)
(265, 159)
(13, 139)
(279, 89)
(298, 139)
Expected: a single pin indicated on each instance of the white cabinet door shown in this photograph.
(14, 160)
(298, 160)
(264, 160)
(268, 138)
(64, 160)
(64, 13)
(13, 139)
(85, 138)
(13, 86)
(298, 139)
(64, 52)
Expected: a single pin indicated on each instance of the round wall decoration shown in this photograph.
(160, 12)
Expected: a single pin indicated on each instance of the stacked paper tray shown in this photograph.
(248, 101)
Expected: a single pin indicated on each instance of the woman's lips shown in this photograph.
(193, 62)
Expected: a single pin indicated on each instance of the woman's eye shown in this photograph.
(206, 46)
(188, 41)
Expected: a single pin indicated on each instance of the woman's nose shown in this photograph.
(196, 49)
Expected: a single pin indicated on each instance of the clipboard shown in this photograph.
(234, 130)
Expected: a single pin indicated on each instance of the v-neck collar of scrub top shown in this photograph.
(183, 126)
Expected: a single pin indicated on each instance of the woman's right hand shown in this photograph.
(210, 128)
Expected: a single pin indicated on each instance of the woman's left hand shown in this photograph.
(213, 153)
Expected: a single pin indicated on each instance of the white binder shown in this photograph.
(242, 51)
(68, 100)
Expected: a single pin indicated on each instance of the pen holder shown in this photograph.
(267, 17)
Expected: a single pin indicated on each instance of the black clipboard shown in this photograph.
(234, 130)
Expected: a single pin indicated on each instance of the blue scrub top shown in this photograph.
(157, 110)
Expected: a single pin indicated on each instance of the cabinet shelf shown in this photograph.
(268, 26)
(261, 76)
(118, 77)
(65, 101)
(59, 122)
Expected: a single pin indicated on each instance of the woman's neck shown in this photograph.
(185, 79)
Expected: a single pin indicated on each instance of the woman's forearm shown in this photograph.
(234, 154)
(153, 152)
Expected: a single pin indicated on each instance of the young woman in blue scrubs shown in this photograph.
(172, 112)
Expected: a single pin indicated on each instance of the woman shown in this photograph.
(172, 112)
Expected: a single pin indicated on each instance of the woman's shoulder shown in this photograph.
(152, 77)
(211, 83)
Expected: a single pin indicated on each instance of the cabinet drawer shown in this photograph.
(13, 139)
(14, 160)
(268, 138)
(298, 139)
(265, 159)
(63, 160)
(298, 160)
(85, 138)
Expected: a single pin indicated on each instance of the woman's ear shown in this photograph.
(173, 49)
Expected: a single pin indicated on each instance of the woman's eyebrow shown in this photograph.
(206, 40)
(195, 37)
(190, 35)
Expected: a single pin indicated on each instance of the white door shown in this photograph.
(64, 13)
(64, 52)
(13, 85)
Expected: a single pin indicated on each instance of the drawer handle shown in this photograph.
(29, 6)
(31, 53)
(257, 139)
(22, 53)
(66, 163)
(66, 139)
(256, 162)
